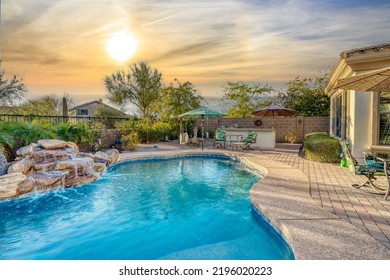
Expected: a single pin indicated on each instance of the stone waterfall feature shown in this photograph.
(51, 164)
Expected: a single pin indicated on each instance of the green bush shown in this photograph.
(322, 148)
(316, 134)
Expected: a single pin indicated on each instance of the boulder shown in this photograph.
(48, 179)
(25, 186)
(9, 184)
(72, 146)
(99, 167)
(76, 164)
(53, 155)
(21, 166)
(44, 166)
(27, 150)
(102, 157)
(79, 180)
(113, 154)
(52, 144)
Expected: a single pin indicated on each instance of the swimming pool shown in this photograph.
(183, 208)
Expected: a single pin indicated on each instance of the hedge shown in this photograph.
(322, 148)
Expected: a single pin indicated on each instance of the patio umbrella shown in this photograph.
(202, 112)
(378, 81)
(272, 111)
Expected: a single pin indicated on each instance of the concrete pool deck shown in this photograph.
(285, 197)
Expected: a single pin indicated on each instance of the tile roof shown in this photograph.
(375, 48)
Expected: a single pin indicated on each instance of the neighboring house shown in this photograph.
(361, 117)
(89, 109)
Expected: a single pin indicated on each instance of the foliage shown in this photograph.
(128, 134)
(140, 85)
(23, 134)
(153, 130)
(307, 96)
(292, 136)
(11, 90)
(78, 133)
(106, 112)
(177, 99)
(316, 134)
(49, 105)
(322, 148)
(245, 98)
(96, 128)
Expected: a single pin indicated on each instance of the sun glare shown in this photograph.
(121, 46)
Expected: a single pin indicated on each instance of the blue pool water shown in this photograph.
(183, 208)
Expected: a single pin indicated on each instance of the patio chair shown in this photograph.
(247, 141)
(373, 162)
(386, 170)
(220, 138)
(359, 169)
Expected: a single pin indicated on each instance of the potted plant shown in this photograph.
(292, 137)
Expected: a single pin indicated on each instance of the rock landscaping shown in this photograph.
(50, 164)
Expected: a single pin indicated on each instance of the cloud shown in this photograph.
(202, 41)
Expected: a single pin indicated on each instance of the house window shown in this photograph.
(384, 118)
(337, 115)
(82, 112)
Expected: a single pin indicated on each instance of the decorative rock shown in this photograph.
(27, 150)
(102, 157)
(22, 166)
(52, 144)
(44, 166)
(53, 155)
(3, 164)
(25, 186)
(9, 184)
(48, 179)
(113, 154)
(53, 163)
(99, 167)
(72, 146)
(76, 164)
(79, 180)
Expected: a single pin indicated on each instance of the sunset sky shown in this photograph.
(61, 46)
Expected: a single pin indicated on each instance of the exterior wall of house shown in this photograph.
(91, 107)
(360, 122)
(361, 116)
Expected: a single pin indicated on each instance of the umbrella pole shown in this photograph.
(202, 130)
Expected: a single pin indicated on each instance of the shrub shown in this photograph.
(292, 137)
(78, 133)
(316, 134)
(322, 148)
(127, 134)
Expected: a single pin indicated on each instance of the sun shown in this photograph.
(121, 46)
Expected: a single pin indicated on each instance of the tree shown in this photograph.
(11, 90)
(140, 85)
(307, 96)
(178, 98)
(105, 112)
(51, 105)
(245, 98)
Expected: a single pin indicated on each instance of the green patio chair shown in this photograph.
(220, 138)
(247, 141)
(359, 169)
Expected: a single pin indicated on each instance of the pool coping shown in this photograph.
(283, 198)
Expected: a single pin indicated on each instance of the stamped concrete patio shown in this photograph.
(314, 185)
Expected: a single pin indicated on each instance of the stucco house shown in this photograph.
(88, 109)
(361, 117)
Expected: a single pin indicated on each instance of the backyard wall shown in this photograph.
(282, 125)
